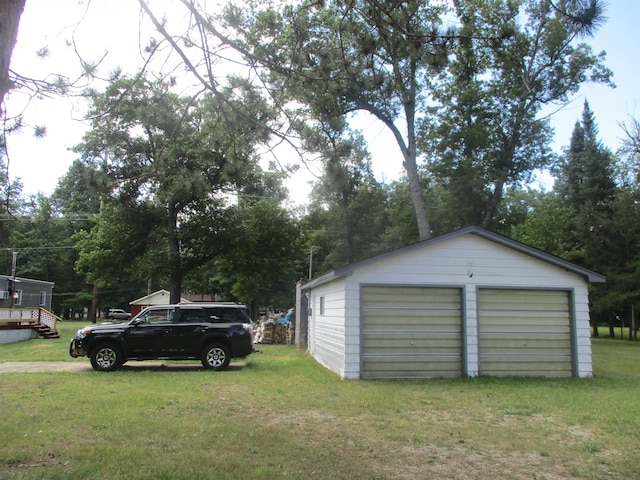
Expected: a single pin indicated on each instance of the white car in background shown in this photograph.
(118, 313)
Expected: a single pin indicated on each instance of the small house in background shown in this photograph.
(468, 303)
(161, 297)
(27, 293)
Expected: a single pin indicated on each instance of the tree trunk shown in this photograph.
(494, 201)
(254, 310)
(417, 198)
(10, 12)
(410, 161)
(93, 314)
(175, 266)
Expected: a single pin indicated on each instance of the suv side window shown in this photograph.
(230, 315)
(193, 315)
(157, 315)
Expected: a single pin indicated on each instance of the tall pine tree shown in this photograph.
(587, 187)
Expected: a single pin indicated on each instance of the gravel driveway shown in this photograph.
(31, 367)
(85, 366)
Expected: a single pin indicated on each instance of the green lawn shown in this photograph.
(284, 416)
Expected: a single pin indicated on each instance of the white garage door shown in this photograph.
(524, 333)
(411, 332)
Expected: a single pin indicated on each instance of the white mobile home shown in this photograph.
(467, 303)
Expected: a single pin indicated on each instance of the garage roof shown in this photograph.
(347, 270)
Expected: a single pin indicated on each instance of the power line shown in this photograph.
(75, 218)
(7, 249)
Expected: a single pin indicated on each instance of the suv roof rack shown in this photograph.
(212, 303)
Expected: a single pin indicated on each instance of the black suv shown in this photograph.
(211, 332)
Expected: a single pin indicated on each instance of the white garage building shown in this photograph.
(467, 303)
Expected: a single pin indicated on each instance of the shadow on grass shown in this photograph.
(139, 366)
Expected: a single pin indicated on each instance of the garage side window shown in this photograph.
(43, 299)
(321, 305)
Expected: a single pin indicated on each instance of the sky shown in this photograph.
(40, 163)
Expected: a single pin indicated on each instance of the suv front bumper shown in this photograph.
(75, 348)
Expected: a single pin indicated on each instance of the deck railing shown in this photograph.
(27, 316)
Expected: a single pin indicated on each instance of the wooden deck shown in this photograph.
(38, 319)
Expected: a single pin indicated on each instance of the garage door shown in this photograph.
(411, 332)
(524, 333)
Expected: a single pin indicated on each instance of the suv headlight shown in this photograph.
(83, 332)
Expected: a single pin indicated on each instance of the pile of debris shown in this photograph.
(275, 329)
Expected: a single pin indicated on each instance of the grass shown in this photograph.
(283, 416)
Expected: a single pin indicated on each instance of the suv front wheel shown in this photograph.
(106, 357)
(216, 356)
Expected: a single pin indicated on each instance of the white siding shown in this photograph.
(582, 331)
(326, 329)
(352, 330)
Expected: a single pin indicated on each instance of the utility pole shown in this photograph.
(93, 314)
(12, 290)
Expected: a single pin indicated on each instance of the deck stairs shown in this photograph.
(44, 331)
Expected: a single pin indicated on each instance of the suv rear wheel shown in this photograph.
(216, 356)
(106, 357)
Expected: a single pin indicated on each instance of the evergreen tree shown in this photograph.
(587, 188)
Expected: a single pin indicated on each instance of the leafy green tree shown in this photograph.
(81, 190)
(402, 229)
(374, 57)
(12, 209)
(264, 256)
(46, 252)
(485, 136)
(36, 230)
(382, 58)
(544, 222)
(171, 163)
(333, 58)
(621, 254)
(346, 214)
(621, 296)
(112, 253)
(75, 204)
